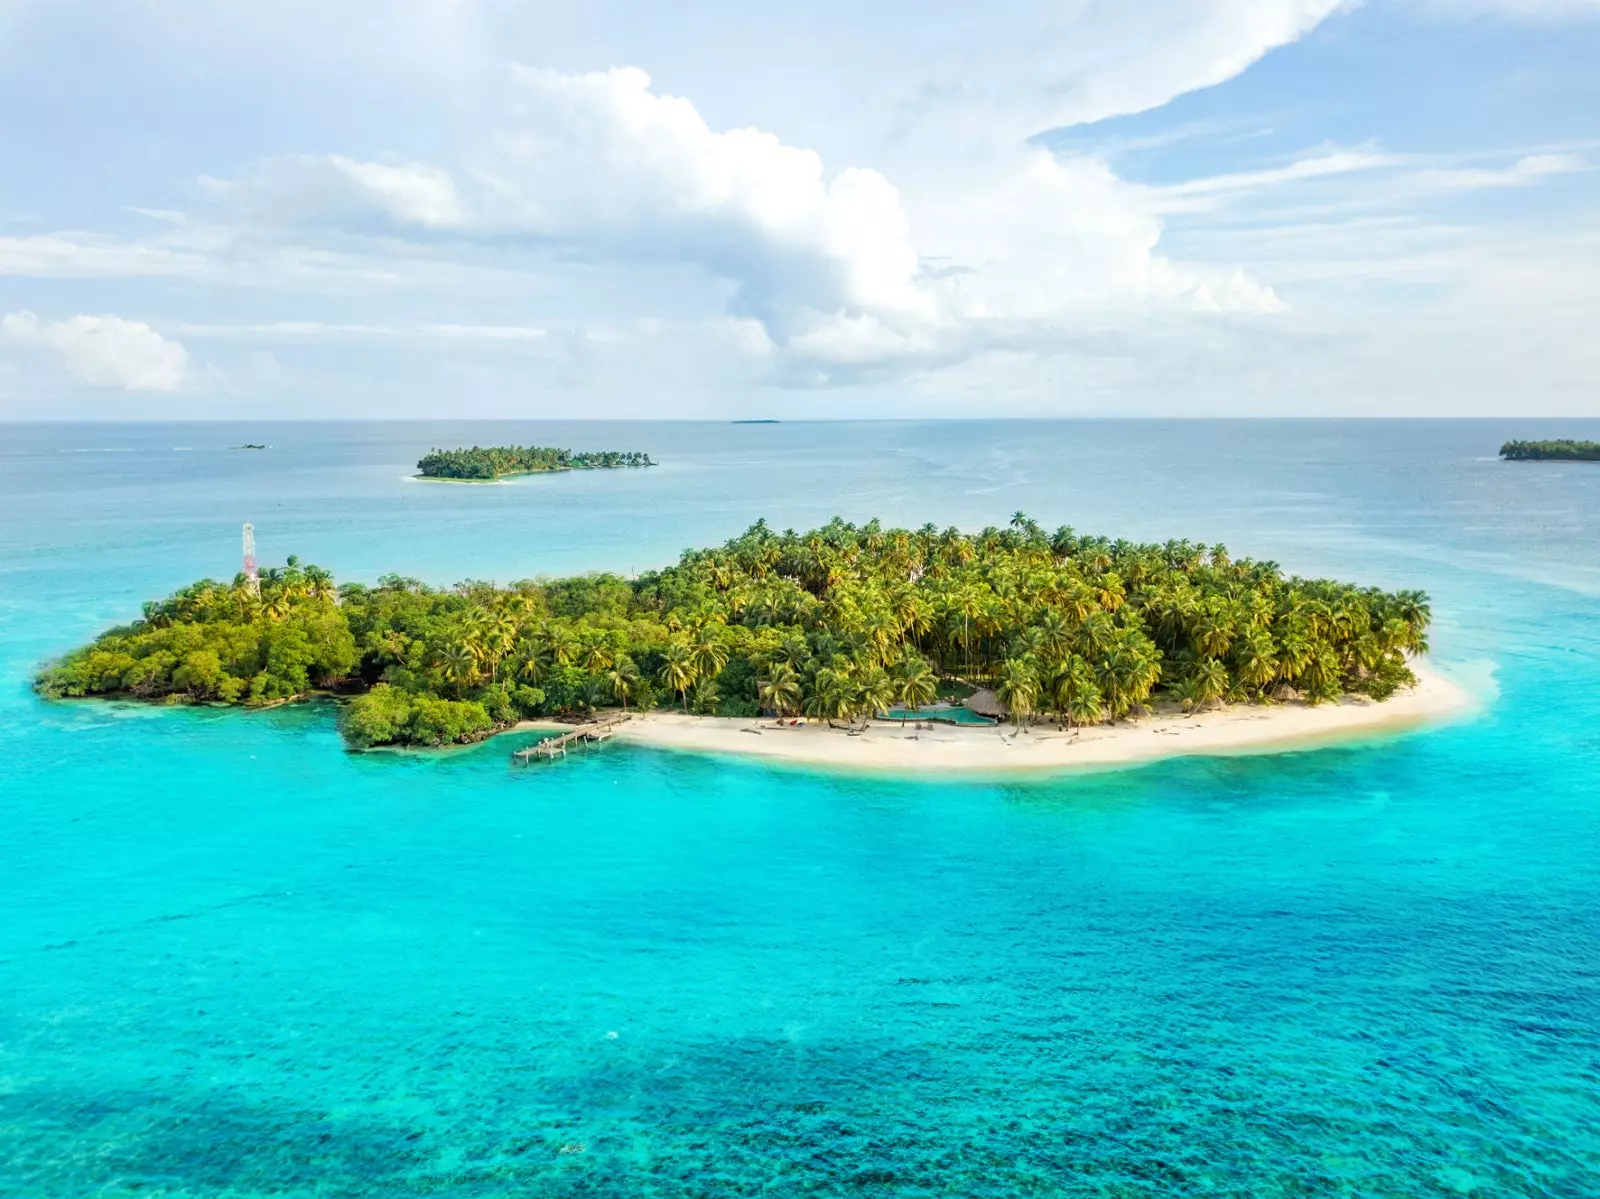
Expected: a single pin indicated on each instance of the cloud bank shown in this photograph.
(103, 351)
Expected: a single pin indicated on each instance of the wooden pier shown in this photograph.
(552, 747)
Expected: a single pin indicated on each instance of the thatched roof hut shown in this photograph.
(986, 703)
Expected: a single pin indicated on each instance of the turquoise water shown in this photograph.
(952, 715)
(236, 961)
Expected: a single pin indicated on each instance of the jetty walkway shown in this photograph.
(551, 747)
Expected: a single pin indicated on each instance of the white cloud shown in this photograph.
(333, 189)
(317, 332)
(1118, 58)
(603, 159)
(820, 194)
(69, 255)
(104, 351)
(1523, 10)
(1193, 194)
(1525, 171)
(839, 268)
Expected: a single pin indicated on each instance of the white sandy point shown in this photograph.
(889, 746)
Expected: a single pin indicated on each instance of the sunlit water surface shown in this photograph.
(237, 961)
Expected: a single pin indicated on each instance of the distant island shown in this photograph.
(481, 464)
(756, 422)
(840, 624)
(1562, 450)
(252, 446)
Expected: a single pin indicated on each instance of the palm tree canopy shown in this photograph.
(840, 620)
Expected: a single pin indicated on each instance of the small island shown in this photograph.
(252, 445)
(836, 628)
(1561, 450)
(483, 465)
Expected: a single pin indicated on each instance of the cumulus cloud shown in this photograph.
(104, 351)
(863, 201)
(840, 269)
(602, 159)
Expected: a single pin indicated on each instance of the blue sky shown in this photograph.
(475, 207)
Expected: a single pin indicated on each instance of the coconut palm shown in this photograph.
(1208, 683)
(595, 652)
(875, 692)
(319, 584)
(1076, 692)
(710, 654)
(622, 676)
(831, 696)
(915, 683)
(780, 691)
(1018, 688)
(1256, 665)
(678, 670)
(460, 665)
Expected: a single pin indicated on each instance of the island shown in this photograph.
(252, 445)
(858, 631)
(1561, 450)
(484, 465)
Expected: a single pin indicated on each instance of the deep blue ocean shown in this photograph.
(238, 961)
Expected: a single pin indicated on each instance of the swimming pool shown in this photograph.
(950, 715)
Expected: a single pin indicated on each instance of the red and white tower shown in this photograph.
(250, 557)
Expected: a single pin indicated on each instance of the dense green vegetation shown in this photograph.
(1560, 450)
(499, 460)
(838, 623)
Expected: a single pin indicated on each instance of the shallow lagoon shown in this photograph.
(238, 960)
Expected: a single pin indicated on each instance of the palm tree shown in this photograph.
(499, 636)
(1084, 707)
(1095, 636)
(1257, 666)
(594, 651)
(875, 692)
(1076, 690)
(916, 684)
(1125, 676)
(678, 670)
(460, 664)
(319, 584)
(1212, 632)
(533, 661)
(623, 678)
(710, 654)
(1019, 688)
(780, 690)
(831, 696)
(1413, 608)
(1322, 675)
(705, 696)
(592, 693)
(1208, 682)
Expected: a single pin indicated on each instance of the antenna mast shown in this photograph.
(250, 558)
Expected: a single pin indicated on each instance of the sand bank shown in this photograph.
(890, 746)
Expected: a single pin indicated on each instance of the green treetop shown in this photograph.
(841, 623)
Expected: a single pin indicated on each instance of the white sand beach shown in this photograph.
(939, 748)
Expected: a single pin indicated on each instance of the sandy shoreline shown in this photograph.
(887, 746)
